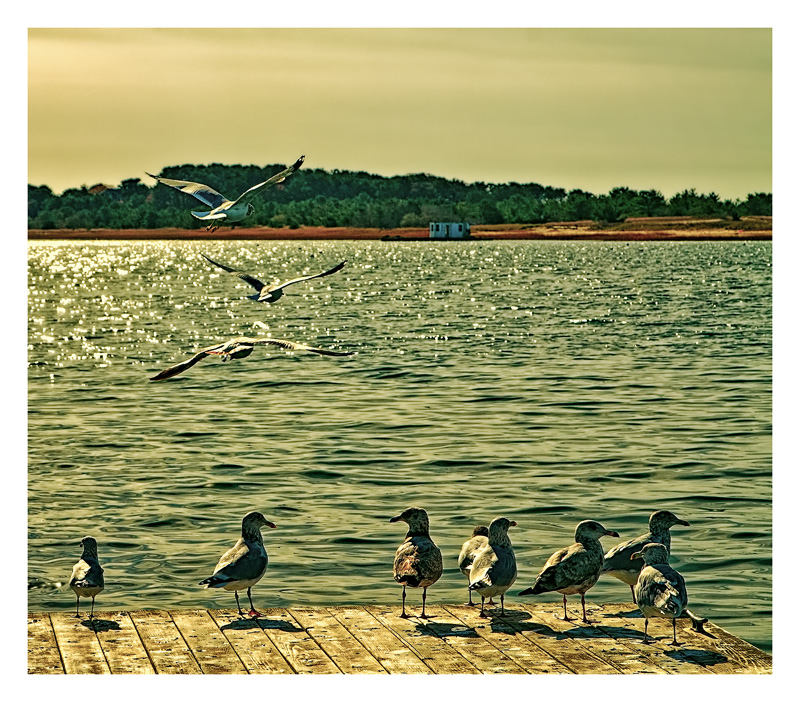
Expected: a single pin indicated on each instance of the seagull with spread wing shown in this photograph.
(241, 347)
(270, 293)
(221, 207)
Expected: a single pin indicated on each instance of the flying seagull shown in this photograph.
(270, 293)
(241, 347)
(221, 207)
(245, 564)
(87, 575)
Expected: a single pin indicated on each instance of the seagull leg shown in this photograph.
(674, 634)
(470, 603)
(238, 606)
(633, 594)
(404, 615)
(78, 607)
(645, 629)
(91, 614)
(502, 605)
(424, 595)
(566, 617)
(253, 612)
(585, 620)
(483, 614)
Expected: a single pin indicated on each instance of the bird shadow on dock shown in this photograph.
(100, 625)
(697, 656)
(261, 623)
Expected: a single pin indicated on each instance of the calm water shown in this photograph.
(549, 382)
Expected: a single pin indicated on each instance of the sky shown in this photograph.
(596, 108)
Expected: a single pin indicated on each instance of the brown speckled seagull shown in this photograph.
(575, 569)
(495, 567)
(660, 589)
(87, 575)
(418, 561)
(618, 561)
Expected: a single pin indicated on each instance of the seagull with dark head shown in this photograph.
(241, 347)
(270, 293)
(418, 561)
(574, 569)
(222, 208)
(660, 589)
(618, 561)
(245, 564)
(87, 574)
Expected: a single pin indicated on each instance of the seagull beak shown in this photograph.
(271, 525)
(611, 533)
(636, 555)
(395, 519)
(512, 524)
(684, 522)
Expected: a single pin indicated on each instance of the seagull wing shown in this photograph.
(255, 282)
(188, 363)
(337, 267)
(202, 192)
(277, 178)
(293, 346)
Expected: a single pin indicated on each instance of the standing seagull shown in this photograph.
(470, 549)
(575, 569)
(418, 561)
(223, 208)
(87, 575)
(660, 590)
(495, 567)
(270, 293)
(241, 347)
(245, 564)
(618, 561)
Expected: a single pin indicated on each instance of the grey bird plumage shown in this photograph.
(574, 569)
(470, 549)
(241, 347)
(618, 562)
(245, 564)
(417, 561)
(87, 575)
(494, 569)
(271, 293)
(660, 589)
(224, 209)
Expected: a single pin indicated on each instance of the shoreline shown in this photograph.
(554, 232)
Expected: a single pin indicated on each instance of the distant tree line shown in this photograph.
(315, 197)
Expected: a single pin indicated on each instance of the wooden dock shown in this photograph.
(374, 639)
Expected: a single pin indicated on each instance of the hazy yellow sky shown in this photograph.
(578, 108)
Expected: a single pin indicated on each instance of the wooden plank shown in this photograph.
(252, 645)
(344, 649)
(80, 649)
(164, 644)
(434, 651)
(43, 654)
(122, 647)
(207, 643)
(717, 651)
(466, 641)
(526, 654)
(301, 652)
(381, 642)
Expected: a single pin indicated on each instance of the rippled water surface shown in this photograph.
(549, 382)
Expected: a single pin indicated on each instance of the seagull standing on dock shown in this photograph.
(470, 549)
(660, 589)
(618, 561)
(575, 569)
(270, 293)
(222, 208)
(87, 574)
(418, 561)
(245, 564)
(241, 347)
(495, 567)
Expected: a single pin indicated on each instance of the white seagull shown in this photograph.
(245, 564)
(470, 549)
(270, 293)
(87, 574)
(221, 207)
(241, 347)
